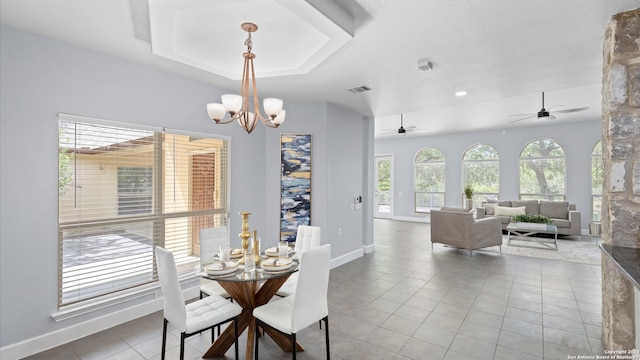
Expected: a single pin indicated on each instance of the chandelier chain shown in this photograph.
(249, 43)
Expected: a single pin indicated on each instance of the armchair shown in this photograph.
(458, 228)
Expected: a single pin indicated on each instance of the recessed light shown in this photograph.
(461, 93)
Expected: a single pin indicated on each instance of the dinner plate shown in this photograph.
(236, 253)
(273, 251)
(276, 264)
(278, 270)
(217, 269)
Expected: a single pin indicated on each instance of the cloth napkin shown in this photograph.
(276, 262)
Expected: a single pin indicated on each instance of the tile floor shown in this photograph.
(406, 302)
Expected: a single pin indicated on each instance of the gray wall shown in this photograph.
(40, 78)
(577, 139)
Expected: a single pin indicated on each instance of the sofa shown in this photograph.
(561, 213)
(456, 227)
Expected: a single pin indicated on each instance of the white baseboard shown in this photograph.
(424, 219)
(341, 260)
(74, 332)
(368, 249)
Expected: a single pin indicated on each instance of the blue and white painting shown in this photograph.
(295, 184)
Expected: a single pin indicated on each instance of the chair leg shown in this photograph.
(293, 345)
(182, 337)
(235, 334)
(164, 338)
(326, 335)
(256, 343)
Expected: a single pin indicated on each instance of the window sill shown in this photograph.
(90, 306)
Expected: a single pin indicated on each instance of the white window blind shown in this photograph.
(124, 189)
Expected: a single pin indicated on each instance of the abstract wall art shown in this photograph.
(295, 184)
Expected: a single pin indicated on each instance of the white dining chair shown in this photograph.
(309, 304)
(308, 237)
(195, 317)
(210, 240)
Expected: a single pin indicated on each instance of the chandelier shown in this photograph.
(238, 105)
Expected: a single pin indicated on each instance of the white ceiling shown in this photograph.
(505, 53)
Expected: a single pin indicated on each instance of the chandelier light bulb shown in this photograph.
(280, 118)
(232, 102)
(272, 107)
(216, 111)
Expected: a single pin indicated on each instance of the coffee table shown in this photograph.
(526, 232)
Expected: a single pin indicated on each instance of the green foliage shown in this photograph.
(429, 155)
(429, 170)
(542, 148)
(65, 171)
(468, 192)
(480, 152)
(538, 219)
(597, 169)
(542, 169)
(384, 175)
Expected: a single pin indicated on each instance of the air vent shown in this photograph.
(359, 89)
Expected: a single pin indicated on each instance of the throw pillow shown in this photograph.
(509, 211)
(531, 206)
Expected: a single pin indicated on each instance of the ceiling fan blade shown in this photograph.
(572, 110)
(388, 131)
(529, 114)
(524, 118)
(409, 128)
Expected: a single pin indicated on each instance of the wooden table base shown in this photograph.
(249, 295)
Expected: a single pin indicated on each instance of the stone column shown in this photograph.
(621, 155)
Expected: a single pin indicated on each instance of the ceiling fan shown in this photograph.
(546, 114)
(401, 130)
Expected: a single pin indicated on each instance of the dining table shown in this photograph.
(250, 290)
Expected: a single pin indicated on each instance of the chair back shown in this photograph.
(175, 310)
(308, 237)
(310, 298)
(210, 241)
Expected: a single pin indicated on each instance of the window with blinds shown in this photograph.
(124, 189)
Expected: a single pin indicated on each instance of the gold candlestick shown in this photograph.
(245, 234)
(256, 247)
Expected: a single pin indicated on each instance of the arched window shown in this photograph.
(597, 178)
(481, 171)
(429, 180)
(542, 171)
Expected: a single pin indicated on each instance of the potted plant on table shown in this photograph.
(539, 220)
(468, 194)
